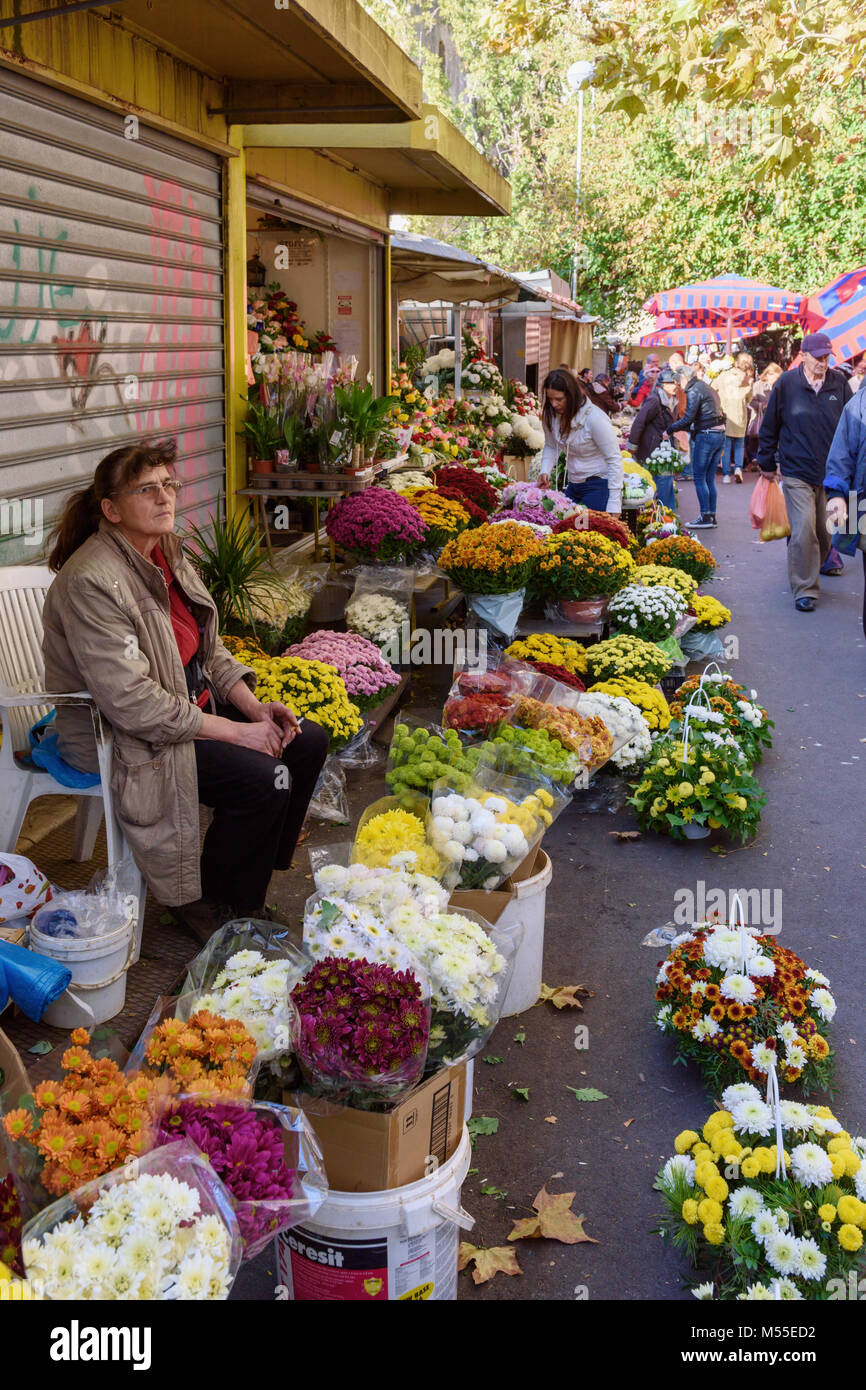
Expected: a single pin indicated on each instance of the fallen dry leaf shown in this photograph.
(626, 1123)
(499, 1259)
(550, 1119)
(625, 834)
(562, 996)
(555, 1220)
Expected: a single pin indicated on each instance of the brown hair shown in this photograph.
(82, 513)
(574, 391)
(771, 367)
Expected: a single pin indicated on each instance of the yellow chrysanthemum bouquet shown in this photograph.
(310, 689)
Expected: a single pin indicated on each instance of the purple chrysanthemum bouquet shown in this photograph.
(377, 524)
(363, 1030)
(367, 675)
(246, 1147)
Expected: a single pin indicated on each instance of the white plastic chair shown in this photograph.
(24, 700)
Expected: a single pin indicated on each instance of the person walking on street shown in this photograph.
(592, 453)
(845, 478)
(704, 419)
(757, 405)
(652, 424)
(735, 389)
(647, 382)
(800, 421)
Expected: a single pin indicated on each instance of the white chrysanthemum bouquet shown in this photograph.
(648, 612)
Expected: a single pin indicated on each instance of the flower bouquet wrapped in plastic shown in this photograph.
(484, 833)
(362, 1031)
(193, 1049)
(392, 834)
(267, 1156)
(381, 603)
(402, 919)
(247, 971)
(161, 1228)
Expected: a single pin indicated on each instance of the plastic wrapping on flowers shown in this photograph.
(381, 603)
(479, 701)
(482, 834)
(421, 753)
(363, 1030)
(163, 1229)
(402, 919)
(266, 1155)
(392, 833)
(191, 1049)
(523, 498)
(246, 972)
(626, 723)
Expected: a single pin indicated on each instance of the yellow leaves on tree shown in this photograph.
(499, 1259)
(555, 1220)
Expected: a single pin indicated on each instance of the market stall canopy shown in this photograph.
(427, 165)
(554, 292)
(725, 303)
(668, 334)
(428, 271)
(832, 298)
(325, 61)
(845, 321)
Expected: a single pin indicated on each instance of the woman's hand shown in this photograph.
(264, 736)
(543, 480)
(284, 718)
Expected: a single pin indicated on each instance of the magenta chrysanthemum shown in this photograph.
(361, 1024)
(377, 524)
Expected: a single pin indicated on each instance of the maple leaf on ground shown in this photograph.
(555, 1220)
(562, 996)
(499, 1259)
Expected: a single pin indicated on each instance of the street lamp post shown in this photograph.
(578, 74)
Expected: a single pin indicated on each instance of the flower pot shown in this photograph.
(261, 467)
(583, 610)
(314, 467)
(696, 832)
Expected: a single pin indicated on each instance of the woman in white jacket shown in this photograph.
(592, 453)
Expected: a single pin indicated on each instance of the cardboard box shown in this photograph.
(368, 1152)
(491, 906)
(13, 1085)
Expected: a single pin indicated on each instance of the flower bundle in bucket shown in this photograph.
(738, 1003)
(786, 1219)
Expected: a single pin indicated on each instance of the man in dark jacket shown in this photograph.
(845, 480)
(705, 421)
(802, 414)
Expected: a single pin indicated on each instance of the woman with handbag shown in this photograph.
(128, 619)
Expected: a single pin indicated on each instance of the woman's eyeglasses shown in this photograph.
(171, 486)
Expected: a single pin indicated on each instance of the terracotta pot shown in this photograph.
(314, 467)
(583, 610)
(262, 466)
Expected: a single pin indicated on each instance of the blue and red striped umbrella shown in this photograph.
(726, 303)
(845, 326)
(832, 298)
(668, 334)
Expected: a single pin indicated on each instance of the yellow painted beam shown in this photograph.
(235, 256)
(386, 315)
(347, 28)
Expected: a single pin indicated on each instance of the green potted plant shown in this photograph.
(262, 433)
(235, 570)
(363, 415)
(291, 445)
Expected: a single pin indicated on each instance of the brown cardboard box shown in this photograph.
(532, 864)
(490, 906)
(367, 1152)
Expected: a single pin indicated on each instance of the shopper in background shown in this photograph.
(602, 395)
(757, 405)
(652, 424)
(735, 390)
(799, 425)
(676, 363)
(648, 381)
(704, 419)
(593, 456)
(845, 473)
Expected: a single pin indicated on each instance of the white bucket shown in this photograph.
(399, 1245)
(527, 906)
(98, 964)
(470, 1082)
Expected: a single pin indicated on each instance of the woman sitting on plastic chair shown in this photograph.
(128, 619)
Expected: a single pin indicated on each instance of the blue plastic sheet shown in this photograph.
(32, 981)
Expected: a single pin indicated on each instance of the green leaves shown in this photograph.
(521, 1091)
(587, 1093)
(482, 1124)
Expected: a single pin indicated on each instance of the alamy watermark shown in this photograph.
(760, 907)
(23, 516)
(708, 125)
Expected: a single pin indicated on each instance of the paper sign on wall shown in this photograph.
(345, 304)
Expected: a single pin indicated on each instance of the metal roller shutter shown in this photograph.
(111, 303)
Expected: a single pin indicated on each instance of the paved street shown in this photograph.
(810, 672)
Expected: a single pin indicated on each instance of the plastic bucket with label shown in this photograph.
(399, 1245)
